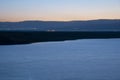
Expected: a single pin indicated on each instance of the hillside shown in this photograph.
(90, 25)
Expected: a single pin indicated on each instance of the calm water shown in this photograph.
(94, 59)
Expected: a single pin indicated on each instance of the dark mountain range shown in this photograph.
(90, 25)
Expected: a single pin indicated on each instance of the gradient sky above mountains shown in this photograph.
(58, 10)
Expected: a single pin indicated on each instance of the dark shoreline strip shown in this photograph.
(26, 37)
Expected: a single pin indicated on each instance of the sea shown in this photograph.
(83, 59)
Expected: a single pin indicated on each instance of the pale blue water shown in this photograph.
(89, 59)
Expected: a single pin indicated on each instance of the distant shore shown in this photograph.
(27, 37)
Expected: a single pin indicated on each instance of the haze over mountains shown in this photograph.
(90, 25)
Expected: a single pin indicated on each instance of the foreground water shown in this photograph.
(90, 59)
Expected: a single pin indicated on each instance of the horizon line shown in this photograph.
(58, 20)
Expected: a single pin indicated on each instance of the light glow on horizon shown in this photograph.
(58, 10)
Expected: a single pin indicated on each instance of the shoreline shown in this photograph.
(27, 37)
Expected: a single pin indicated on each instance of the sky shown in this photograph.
(58, 10)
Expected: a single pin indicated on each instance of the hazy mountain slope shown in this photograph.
(91, 25)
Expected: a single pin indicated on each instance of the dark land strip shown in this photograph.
(27, 37)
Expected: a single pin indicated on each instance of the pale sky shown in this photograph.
(58, 10)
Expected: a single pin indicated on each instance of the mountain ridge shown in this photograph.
(76, 25)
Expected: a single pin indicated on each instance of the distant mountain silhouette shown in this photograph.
(90, 25)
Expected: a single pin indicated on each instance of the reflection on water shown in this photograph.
(95, 59)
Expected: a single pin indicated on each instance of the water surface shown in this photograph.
(87, 59)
